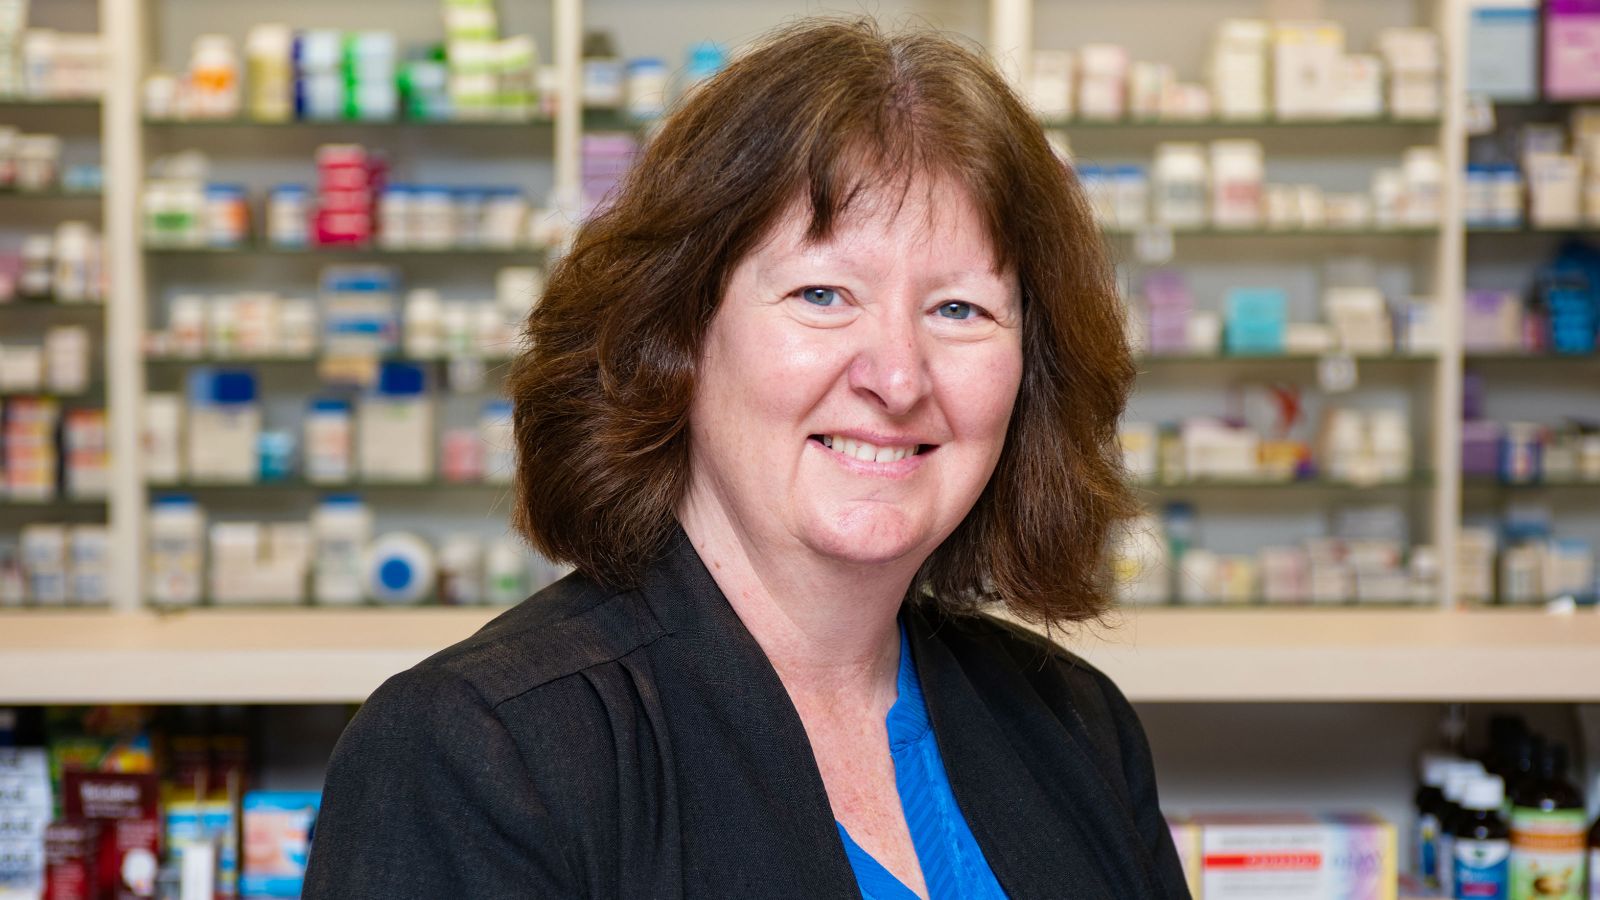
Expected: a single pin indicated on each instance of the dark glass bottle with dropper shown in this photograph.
(1547, 832)
(1482, 846)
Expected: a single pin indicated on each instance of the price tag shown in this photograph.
(359, 369)
(1336, 373)
(1480, 115)
(1153, 244)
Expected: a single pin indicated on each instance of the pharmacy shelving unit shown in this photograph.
(1338, 153)
(141, 30)
(538, 153)
(80, 124)
(1211, 681)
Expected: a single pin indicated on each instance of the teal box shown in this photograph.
(1254, 320)
(277, 838)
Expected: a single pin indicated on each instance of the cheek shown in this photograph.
(758, 368)
(981, 390)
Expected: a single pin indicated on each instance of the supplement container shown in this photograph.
(1237, 178)
(1180, 185)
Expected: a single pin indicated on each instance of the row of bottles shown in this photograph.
(1506, 825)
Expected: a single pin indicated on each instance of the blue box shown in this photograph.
(1255, 320)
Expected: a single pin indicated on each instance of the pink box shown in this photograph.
(1572, 49)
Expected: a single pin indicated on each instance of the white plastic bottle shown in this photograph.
(400, 569)
(341, 528)
(424, 332)
(176, 552)
(1180, 185)
(506, 573)
(269, 52)
(329, 441)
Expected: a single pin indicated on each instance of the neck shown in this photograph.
(828, 628)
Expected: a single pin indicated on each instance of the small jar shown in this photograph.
(38, 275)
(227, 217)
(289, 216)
(433, 218)
(394, 217)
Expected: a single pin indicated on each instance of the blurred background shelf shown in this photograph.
(1243, 125)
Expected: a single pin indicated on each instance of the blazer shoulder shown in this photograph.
(572, 625)
(1023, 647)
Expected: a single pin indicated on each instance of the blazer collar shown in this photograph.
(1043, 832)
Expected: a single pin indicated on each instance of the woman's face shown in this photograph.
(853, 394)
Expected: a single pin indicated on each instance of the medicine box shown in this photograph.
(1307, 61)
(1572, 50)
(1296, 856)
(1255, 320)
(277, 841)
(1502, 49)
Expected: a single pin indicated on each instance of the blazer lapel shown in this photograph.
(1048, 822)
(756, 816)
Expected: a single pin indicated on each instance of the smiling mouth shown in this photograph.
(865, 452)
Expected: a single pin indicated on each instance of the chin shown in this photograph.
(868, 537)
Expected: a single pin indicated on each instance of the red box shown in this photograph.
(127, 809)
(70, 871)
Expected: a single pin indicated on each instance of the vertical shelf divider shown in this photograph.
(122, 150)
(568, 50)
(1011, 39)
(1450, 293)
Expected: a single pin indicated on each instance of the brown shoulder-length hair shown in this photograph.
(821, 111)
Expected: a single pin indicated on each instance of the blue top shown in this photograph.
(952, 863)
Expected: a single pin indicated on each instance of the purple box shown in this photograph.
(1169, 301)
(1483, 321)
(1481, 441)
(1572, 49)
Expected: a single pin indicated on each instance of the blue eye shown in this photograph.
(956, 310)
(819, 296)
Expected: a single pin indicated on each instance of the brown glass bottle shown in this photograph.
(1594, 861)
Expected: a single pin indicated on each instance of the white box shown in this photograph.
(1238, 69)
(1297, 857)
(1050, 85)
(1307, 61)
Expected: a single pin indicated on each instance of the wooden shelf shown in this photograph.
(1155, 655)
(219, 655)
(1332, 655)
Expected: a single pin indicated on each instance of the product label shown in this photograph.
(1482, 869)
(1444, 862)
(1427, 849)
(1547, 851)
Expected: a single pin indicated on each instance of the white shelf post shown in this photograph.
(122, 151)
(568, 51)
(1450, 293)
(1011, 39)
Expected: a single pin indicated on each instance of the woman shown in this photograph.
(839, 370)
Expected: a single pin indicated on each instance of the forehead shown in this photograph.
(884, 216)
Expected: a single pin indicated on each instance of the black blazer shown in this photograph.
(638, 744)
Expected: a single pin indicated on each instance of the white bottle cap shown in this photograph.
(1435, 766)
(1458, 777)
(1484, 793)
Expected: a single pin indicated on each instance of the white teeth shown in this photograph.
(867, 452)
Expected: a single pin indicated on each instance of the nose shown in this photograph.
(890, 367)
